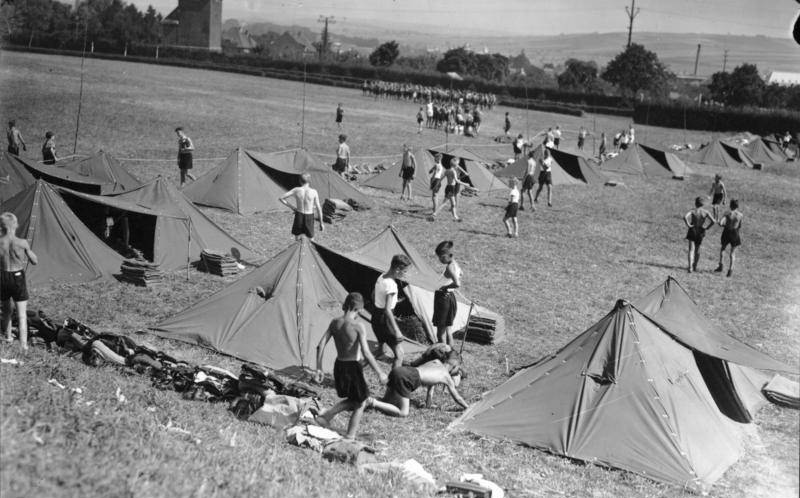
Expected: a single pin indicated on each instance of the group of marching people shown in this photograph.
(456, 118)
(423, 93)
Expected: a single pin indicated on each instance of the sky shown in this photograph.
(525, 17)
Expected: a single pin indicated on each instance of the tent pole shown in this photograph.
(188, 246)
(466, 329)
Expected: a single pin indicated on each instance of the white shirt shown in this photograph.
(385, 287)
(531, 166)
(513, 196)
(557, 133)
(546, 162)
(438, 171)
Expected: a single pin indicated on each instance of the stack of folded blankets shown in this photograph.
(218, 263)
(141, 272)
(334, 209)
(482, 330)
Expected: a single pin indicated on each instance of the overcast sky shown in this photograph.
(533, 17)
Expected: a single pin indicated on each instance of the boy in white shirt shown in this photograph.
(385, 296)
(510, 217)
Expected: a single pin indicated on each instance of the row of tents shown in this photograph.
(755, 153)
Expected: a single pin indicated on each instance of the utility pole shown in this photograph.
(323, 45)
(725, 60)
(632, 13)
(696, 59)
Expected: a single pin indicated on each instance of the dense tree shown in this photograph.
(579, 76)
(637, 69)
(385, 54)
(492, 67)
(742, 87)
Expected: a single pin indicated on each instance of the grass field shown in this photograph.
(567, 269)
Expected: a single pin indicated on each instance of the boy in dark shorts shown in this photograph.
(350, 339)
(528, 182)
(342, 163)
(385, 296)
(507, 125)
(451, 189)
(436, 174)
(408, 169)
(306, 201)
(730, 223)
(15, 253)
(698, 220)
(403, 381)
(546, 178)
(339, 115)
(49, 148)
(185, 155)
(444, 299)
(718, 195)
(510, 216)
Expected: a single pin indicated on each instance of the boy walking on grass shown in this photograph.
(350, 339)
(698, 220)
(385, 297)
(510, 218)
(15, 253)
(730, 223)
(185, 155)
(528, 183)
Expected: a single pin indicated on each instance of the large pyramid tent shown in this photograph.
(622, 394)
(67, 250)
(474, 170)
(274, 315)
(238, 185)
(164, 225)
(96, 174)
(390, 179)
(718, 153)
(658, 161)
(760, 152)
(285, 168)
(14, 178)
(626, 162)
(357, 270)
(566, 169)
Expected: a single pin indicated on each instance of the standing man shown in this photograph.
(339, 115)
(557, 137)
(510, 216)
(546, 178)
(436, 173)
(528, 182)
(15, 253)
(185, 155)
(408, 170)
(698, 220)
(444, 299)
(507, 125)
(306, 202)
(385, 296)
(420, 119)
(581, 137)
(718, 195)
(49, 148)
(731, 223)
(350, 339)
(14, 138)
(602, 147)
(518, 146)
(342, 156)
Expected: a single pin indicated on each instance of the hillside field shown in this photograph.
(564, 273)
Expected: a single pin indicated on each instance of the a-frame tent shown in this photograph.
(733, 367)
(474, 170)
(661, 162)
(390, 178)
(718, 153)
(760, 152)
(358, 269)
(238, 185)
(285, 168)
(274, 316)
(626, 162)
(99, 174)
(566, 169)
(623, 394)
(14, 177)
(164, 224)
(67, 250)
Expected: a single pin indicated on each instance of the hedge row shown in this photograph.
(761, 122)
(537, 105)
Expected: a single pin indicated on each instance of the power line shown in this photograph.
(323, 46)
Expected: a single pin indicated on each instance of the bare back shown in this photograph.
(345, 336)
(433, 373)
(305, 198)
(13, 253)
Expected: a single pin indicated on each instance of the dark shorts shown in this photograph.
(48, 157)
(556, 141)
(623, 146)
(13, 149)
(185, 161)
(545, 178)
(338, 119)
(382, 328)
(407, 173)
(303, 224)
(436, 185)
(717, 199)
(695, 235)
(527, 182)
(349, 379)
(511, 210)
(580, 142)
(13, 286)
(517, 150)
(404, 381)
(340, 166)
(451, 190)
(444, 308)
(731, 237)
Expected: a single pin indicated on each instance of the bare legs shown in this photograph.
(185, 174)
(549, 194)
(22, 317)
(391, 404)
(453, 206)
(345, 405)
(445, 335)
(731, 260)
(693, 255)
(512, 227)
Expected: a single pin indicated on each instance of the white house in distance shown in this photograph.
(783, 78)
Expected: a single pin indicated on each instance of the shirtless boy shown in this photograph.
(306, 203)
(730, 223)
(408, 169)
(718, 195)
(436, 173)
(546, 178)
(350, 339)
(342, 164)
(403, 381)
(698, 220)
(15, 253)
(528, 182)
(452, 188)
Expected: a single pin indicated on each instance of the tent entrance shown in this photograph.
(717, 377)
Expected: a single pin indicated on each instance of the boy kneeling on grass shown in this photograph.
(350, 339)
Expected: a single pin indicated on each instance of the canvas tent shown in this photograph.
(274, 315)
(238, 185)
(98, 174)
(578, 170)
(474, 171)
(390, 179)
(642, 160)
(67, 250)
(622, 394)
(285, 168)
(357, 270)
(760, 152)
(718, 153)
(14, 178)
(164, 225)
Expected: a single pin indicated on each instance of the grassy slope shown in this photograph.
(564, 273)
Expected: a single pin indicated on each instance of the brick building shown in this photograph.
(195, 24)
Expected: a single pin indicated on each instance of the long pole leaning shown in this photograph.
(80, 93)
(303, 113)
(466, 329)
